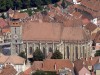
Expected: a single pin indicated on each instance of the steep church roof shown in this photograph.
(52, 32)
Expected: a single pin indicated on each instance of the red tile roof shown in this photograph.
(41, 31)
(78, 65)
(91, 6)
(8, 70)
(11, 59)
(56, 64)
(96, 37)
(91, 27)
(6, 30)
(18, 15)
(78, 33)
(49, 65)
(3, 23)
(52, 32)
(91, 61)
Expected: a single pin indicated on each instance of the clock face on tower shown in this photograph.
(15, 36)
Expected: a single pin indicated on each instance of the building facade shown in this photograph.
(71, 40)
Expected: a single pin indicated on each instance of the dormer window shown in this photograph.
(13, 23)
(16, 23)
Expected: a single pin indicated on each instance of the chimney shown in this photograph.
(83, 63)
(91, 58)
(86, 59)
(73, 64)
(55, 66)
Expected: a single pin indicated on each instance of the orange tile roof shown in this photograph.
(97, 37)
(18, 15)
(91, 61)
(77, 14)
(48, 65)
(5, 30)
(41, 31)
(8, 70)
(51, 32)
(91, 27)
(37, 65)
(91, 6)
(85, 62)
(3, 23)
(78, 65)
(11, 59)
(27, 72)
(78, 33)
(85, 21)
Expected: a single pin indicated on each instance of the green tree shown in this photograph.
(38, 3)
(57, 55)
(25, 3)
(38, 55)
(9, 4)
(2, 5)
(97, 53)
(32, 3)
(47, 1)
(63, 4)
(17, 4)
(22, 54)
(38, 72)
(29, 11)
(54, 1)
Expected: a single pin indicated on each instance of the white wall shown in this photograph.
(20, 68)
(75, 2)
(94, 21)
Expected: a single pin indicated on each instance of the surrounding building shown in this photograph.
(17, 62)
(86, 66)
(52, 65)
(29, 35)
(8, 70)
(97, 69)
(74, 31)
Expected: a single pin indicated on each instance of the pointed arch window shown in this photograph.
(44, 50)
(68, 54)
(30, 50)
(50, 49)
(83, 51)
(76, 51)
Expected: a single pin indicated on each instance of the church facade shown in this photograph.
(72, 42)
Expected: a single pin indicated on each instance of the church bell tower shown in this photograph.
(16, 31)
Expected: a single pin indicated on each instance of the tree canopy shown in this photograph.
(39, 72)
(38, 55)
(57, 55)
(23, 4)
(22, 54)
(97, 53)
